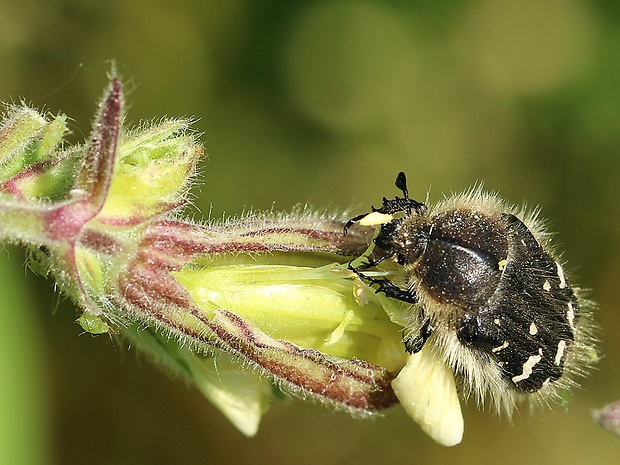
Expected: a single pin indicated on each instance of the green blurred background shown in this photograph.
(325, 102)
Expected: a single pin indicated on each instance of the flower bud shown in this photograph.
(243, 309)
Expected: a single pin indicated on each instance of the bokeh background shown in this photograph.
(320, 101)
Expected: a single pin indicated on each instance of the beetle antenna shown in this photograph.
(401, 183)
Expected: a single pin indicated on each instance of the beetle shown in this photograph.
(485, 288)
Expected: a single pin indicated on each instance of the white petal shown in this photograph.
(427, 391)
(241, 395)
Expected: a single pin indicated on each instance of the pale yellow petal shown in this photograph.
(427, 391)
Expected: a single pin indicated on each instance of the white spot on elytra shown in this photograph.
(528, 367)
(533, 329)
(498, 348)
(561, 276)
(560, 353)
(546, 285)
(496, 321)
(570, 316)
